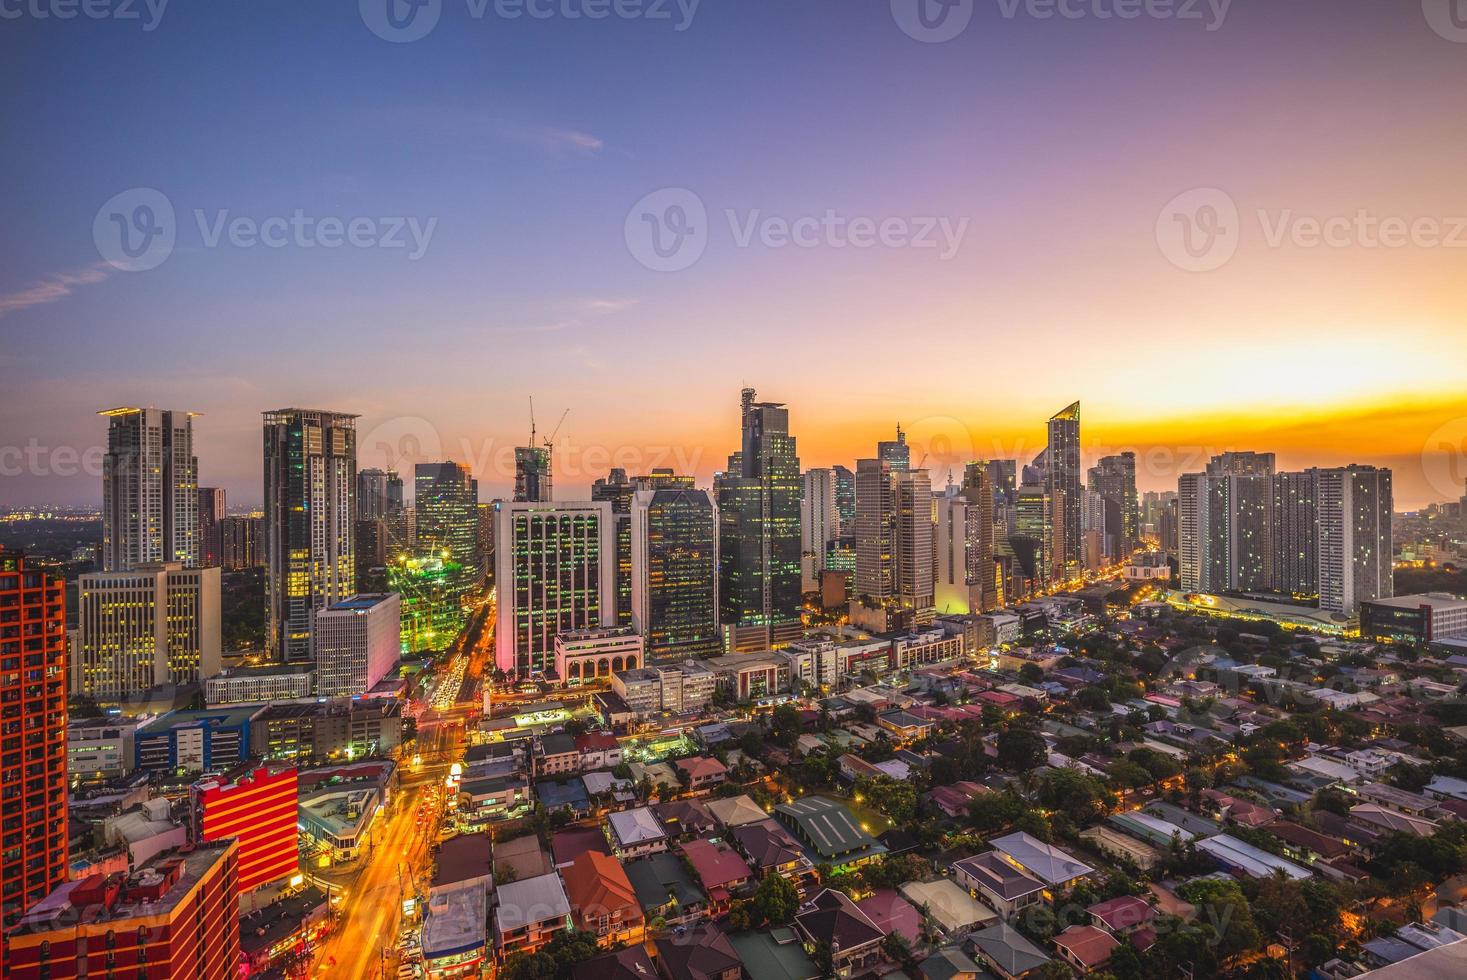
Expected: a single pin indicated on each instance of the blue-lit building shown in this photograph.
(196, 741)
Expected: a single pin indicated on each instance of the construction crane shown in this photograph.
(550, 442)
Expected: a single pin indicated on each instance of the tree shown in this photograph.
(898, 949)
(785, 726)
(1031, 673)
(1020, 748)
(776, 899)
(995, 811)
(1078, 795)
(895, 798)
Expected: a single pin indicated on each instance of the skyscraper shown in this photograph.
(616, 490)
(895, 452)
(845, 499)
(1064, 485)
(894, 547)
(1114, 478)
(33, 746)
(150, 505)
(1226, 527)
(965, 570)
(1296, 533)
(211, 511)
(819, 524)
(759, 531)
(151, 626)
(310, 507)
(379, 494)
(554, 572)
(675, 573)
(1355, 544)
(446, 500)
(532, 481)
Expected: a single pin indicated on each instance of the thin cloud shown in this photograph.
(52, 290)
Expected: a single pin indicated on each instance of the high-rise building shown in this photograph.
(1296, 533)
(845, 499)
(618, 491)
(966, 576)
(357, 643)
(33, 735)
(1354, 505)
(369, 544)
(1033, 539)
(155, 625)
(178, 914)
(242, 542)
(895, 452)
(258, 808)
(1064, 475)
(819, 525)
(532, 480)
(759, 532)
(379, 494)
(674, 551)
(446, 500)
(211, 512)
(1226, 527)
(554, 572)
(1114, 478)
(1168, 526)
(150, 504)
(894, 547)
(310, 510)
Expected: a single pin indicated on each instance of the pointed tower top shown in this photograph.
(1071, 414)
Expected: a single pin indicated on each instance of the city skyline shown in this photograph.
(1432, 474)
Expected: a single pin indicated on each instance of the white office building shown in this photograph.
(356, 643)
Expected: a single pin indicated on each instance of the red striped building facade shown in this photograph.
(32, 734)
(259, 809)
(176, 916)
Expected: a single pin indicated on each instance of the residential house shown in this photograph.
(1085, 947)
(530, 913)
(1007, 889)
(832, 920)
(702, 773)
(636, 833)
(1046, 862)
(720, 869)
(602, 900)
